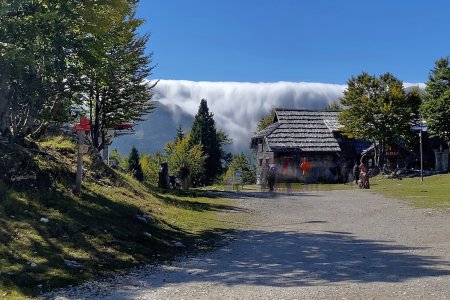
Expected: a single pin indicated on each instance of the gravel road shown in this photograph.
(310, 245)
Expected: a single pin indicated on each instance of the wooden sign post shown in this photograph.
(81, 128)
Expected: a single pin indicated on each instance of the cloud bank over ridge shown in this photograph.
(238, 106)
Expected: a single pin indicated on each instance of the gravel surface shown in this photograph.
(312, 245)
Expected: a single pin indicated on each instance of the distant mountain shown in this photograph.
(152, 134)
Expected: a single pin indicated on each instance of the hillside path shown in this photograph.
(348, 244)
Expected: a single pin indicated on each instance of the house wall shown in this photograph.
(325, 167)
(264, 157)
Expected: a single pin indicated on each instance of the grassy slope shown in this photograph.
(433, 192)
(97, 229)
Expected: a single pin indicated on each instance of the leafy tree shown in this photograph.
(117, 90)
(151, 165)
(40, 57)
(204, 133)
(134, 164)
(266, 121)
(186, 160)
(241, 163)
(436, 105)
(378, 110)
(55, 52)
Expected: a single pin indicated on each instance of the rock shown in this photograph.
(33, 265)
(144, 218)
(44, 220)
(72, 263)
(178, 244)
(148, 234)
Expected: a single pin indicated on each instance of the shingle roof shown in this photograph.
(304, 130)
(266, 130)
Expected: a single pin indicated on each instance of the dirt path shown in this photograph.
(317, 245)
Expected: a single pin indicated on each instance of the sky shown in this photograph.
(323, 41)
(247, 56)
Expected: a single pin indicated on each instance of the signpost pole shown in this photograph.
(421, 156)
(80, 141)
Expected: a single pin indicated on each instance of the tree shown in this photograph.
(58, 53)
(378, 110)
(151, 165)
(180, 133)
(122, 161)
(265, 121)
(204, 133)
(185, 160)
(241, 163)
(334, 106)
(436, 105)
(116, 80)
(134, 164)
(40, 57)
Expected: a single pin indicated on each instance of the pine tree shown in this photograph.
(204, 133)
(134, 164)
(265, 121)
(180, 134)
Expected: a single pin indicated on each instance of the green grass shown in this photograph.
(99, 228)
(433, 192)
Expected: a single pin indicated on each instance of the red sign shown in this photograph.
(79, 127)
(85, 121)
(84, 125)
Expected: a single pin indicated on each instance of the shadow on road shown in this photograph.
(303, 259)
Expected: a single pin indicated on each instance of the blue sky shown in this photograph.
(295, 40)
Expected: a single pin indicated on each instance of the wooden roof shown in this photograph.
(302, 131)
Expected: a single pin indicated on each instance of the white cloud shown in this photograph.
(238, 106)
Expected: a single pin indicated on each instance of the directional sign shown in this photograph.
(80, 127)
(419, 128)
(84, 125)
(83, 149)
(85, 121)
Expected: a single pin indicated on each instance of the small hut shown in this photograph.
(298, 135)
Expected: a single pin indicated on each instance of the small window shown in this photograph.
(260, 162)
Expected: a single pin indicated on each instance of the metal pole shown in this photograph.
(421, 155)
(80, 141)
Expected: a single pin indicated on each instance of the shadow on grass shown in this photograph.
(102, 235)
(196, 205)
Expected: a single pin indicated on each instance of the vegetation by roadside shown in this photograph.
(52, 238)
(433, 192)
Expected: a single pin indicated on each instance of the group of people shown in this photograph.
(361, 176)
